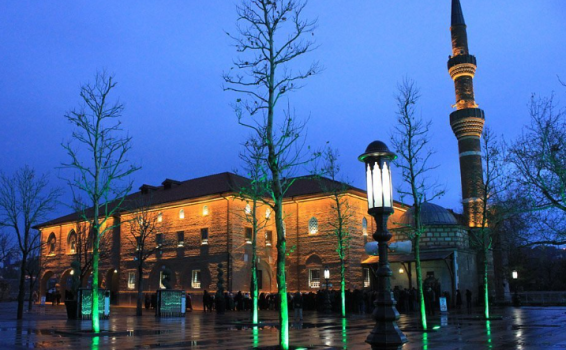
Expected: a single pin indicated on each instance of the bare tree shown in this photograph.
(271, 35)
(7, 247)
(410, 140)
(341, 216)
(539, 160)
(141, 232)
(25, 200)
(36, 265)
(254, 193)
(489, 210)
(101, 165)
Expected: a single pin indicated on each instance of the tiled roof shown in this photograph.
(206, 186)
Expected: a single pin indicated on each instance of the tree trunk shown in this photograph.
(95, 305)
(22, 288)
(281, 278)
(139, 303)
(420, 282)
(343, 286)
(486, 284)
(255, 292)
(30, 304)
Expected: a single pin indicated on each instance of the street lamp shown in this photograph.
(377, 158)
(516, 300)
(327, 304)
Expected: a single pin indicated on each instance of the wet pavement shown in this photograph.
(47, 328)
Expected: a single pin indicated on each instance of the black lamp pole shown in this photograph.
(377, 158)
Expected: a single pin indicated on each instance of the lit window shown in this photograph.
(248, 235)
(268, 238)
(366, 278)
(180, 238)
(365, 226)
(314, 278)
(204, 236)
(72, 242)
(267, 213)
(159, 217)
(181, 214)
(246, 257)
(195, 279)
(205, 210)
(161, 285)
(248, 209)
(51, 244)
(313, 226)
(131, 280)
(138, 243)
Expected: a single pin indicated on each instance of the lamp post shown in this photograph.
(515, 276)
(377, 158)
(327, 304)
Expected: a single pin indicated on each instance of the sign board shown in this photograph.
(85, 300)
(443, 306)
(171, 303)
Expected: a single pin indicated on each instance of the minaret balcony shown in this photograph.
(467, 122)
(461, 59)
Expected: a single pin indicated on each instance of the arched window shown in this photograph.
(313, 226)
(267, 213)
(51, 244)
(248, 209)
(181, 214)
(72, 242)
(160, 217)
(205, 210)
(364, 226)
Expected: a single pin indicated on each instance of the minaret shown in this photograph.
(467, 121)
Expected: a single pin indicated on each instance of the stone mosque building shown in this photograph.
(204, 224)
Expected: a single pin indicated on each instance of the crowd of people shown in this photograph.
(357, 301)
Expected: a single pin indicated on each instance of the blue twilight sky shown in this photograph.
(168, 58)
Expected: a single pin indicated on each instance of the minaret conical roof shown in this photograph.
(457, 15)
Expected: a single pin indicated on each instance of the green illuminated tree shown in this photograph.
(25, 201)
(255, 193)
(410, 140)
(271, 34)
(491, 209)
(341, 215)
(101, 165)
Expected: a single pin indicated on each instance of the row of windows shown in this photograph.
(72, 238)
(196, 279)
(205, 212)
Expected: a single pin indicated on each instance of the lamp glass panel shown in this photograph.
(386, 180)
(369, 186)
(377, 187)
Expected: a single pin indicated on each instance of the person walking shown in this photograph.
(430, 299)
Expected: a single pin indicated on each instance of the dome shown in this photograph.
(431, 214)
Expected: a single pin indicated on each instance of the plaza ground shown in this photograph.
(47, 328)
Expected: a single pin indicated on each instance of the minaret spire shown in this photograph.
(467, 121)
(457, 15)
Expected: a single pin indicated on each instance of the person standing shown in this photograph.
(469, 300)
(298, 306)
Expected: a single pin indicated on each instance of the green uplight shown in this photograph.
(255, 332)
(436, 327)
(95, 343)
(425, 341)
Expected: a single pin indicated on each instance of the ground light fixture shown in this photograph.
(377, 158)
(327, 304)
(515, 274)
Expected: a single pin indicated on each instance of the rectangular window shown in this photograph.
(180, 238)
(195, 279)
(366, 278)
(248, 235)
(131, 280)
(268, 238)
(158, 240)
(259, 279)
(314, 278)
(204, 236)
(138, 244)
